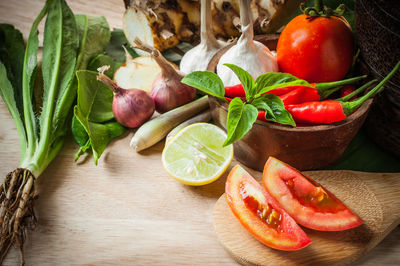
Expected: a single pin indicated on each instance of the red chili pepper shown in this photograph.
(353, 95)
(325, 112)
(300, 95)
(322, 89)
(331, 111)
(346, 90)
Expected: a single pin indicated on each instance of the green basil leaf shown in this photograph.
(280, 114)
(273, 80)
(207, 82)
(245, 78)
(262, 103)
(241, 118)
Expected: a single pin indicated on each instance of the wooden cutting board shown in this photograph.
(374, 197)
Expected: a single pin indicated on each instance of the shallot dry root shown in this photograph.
(17, 195)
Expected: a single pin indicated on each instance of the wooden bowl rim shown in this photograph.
(313, 128)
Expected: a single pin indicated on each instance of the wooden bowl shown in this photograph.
(305, 148)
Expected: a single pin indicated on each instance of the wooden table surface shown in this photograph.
(126, 210)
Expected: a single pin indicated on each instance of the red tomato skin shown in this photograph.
(275, 176)
(318, 49)
(292, 236)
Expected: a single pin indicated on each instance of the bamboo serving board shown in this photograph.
(374, 197)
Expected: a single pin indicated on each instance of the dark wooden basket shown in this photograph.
(377, 25)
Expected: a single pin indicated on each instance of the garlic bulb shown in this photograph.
(252, 56)
(198, 57)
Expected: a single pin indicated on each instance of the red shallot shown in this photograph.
(167, 90)
(131, 107)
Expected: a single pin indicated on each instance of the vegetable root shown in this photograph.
(17, 197)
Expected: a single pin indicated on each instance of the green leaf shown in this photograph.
(207, 82)
(94, 35)
(273, 80)
(246, 79)
(28, 73)
(100, 135)
(60, 49)
(103, 60)
(94, 113)
(241, 117)
(7, 93)
(279, 113)
(12, 50)
(80, 136)
(78, 131)
(94, 98)
(114, 48)
(262, 104)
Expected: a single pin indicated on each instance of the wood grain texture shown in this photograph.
(374, 197)
(126, 210)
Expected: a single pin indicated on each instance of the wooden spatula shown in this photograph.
(375, 197)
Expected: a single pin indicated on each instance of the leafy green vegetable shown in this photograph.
(241, 117)
(246, 80)
(94, 125)
(12, 52)
(11, 65)
(103, 60)
(207, 82)
(94, 35)
(276, 111)
(272, 80)
(28, 73)
(40, 99)
(115, 49)
(60, 46)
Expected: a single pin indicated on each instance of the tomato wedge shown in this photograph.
(260, 214)
(310, 204)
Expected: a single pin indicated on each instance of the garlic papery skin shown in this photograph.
(198, 58)
(252, 56)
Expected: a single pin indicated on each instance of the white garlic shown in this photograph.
(198, 58)
(252, 56)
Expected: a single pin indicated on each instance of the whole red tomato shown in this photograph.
(317, 49)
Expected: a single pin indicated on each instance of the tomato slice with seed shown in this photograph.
(260, 214)
(309, 203)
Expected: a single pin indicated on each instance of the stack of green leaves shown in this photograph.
(93, 124)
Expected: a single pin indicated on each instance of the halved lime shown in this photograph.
(195, 155)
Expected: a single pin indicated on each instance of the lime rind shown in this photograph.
(196, 156)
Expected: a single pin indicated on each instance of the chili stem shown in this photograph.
(349, 107)
(328, 85)
(357, 91)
